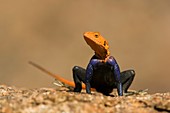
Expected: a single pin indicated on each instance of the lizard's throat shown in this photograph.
(102, 56)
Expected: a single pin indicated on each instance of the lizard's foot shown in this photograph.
(133, 92)
(77, 90)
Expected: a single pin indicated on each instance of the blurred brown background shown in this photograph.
(50, 34)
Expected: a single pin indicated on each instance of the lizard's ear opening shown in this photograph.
(104, 43)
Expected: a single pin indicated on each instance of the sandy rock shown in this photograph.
(61, 100)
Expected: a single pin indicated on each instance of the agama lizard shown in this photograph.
(102, 72)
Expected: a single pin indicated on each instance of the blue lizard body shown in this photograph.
(102, 72)
(103, 76)
(112, 65)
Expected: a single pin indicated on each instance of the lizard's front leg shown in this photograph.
(89, 73)
(115, 67)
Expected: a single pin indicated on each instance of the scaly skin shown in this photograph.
(102, 72)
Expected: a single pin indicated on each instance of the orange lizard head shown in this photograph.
(97, 43)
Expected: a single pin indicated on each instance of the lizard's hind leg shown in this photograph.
(79, 77)
(127, 78)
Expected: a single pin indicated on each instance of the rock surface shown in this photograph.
(61, 100)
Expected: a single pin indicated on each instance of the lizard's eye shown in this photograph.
(96, 35)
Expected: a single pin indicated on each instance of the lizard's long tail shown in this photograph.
(57, 77)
